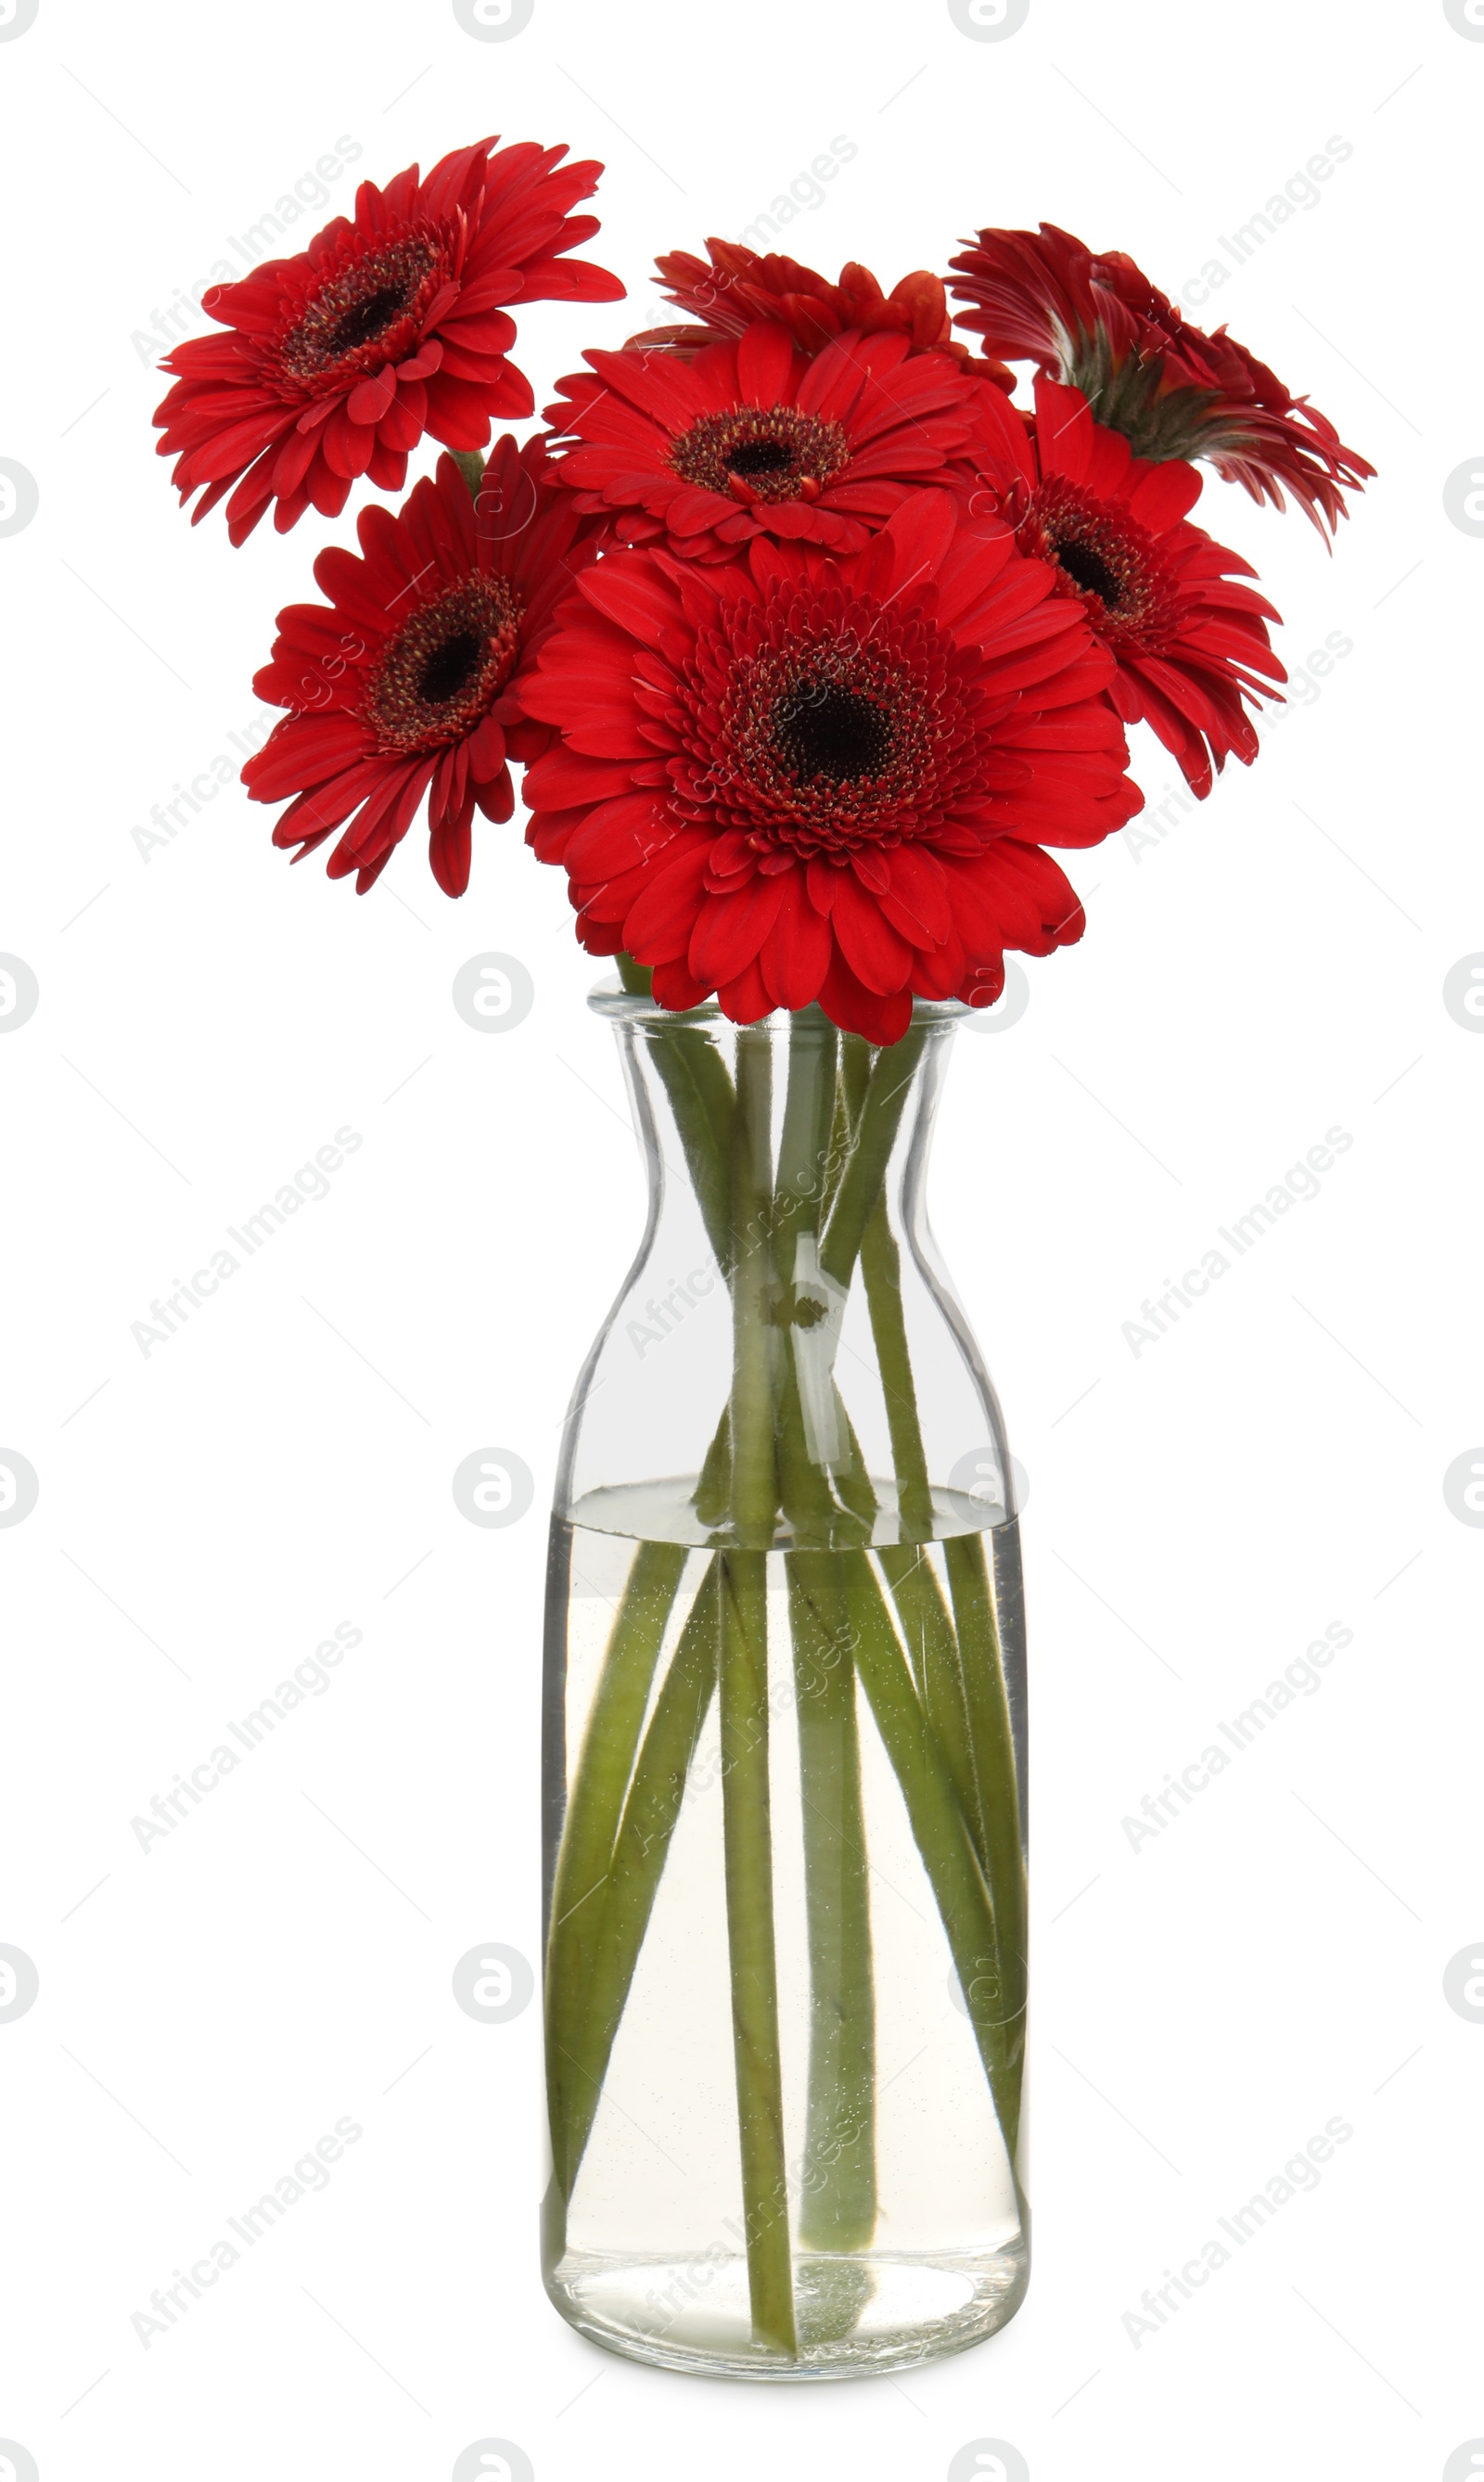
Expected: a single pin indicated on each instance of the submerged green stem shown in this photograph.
(838, 2181)
(748, 1839)
(933, 1651)
(640, 1848)
(595, 1807)
(746, 1808)
(992, 1740)
(939, 1830)
(923, 1614)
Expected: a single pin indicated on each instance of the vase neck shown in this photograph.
(787, 1364)
(834, 1128)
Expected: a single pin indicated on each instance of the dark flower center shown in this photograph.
(1114, 566)
(451, 667)
(824, 725)
(776, 452)
(1082, 562)
(751, 457)
(373, 302)
(822, 728)
(442, 669)
(367, 319)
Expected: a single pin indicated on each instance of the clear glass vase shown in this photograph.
(785, 1740)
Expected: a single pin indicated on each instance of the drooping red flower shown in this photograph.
(791, 778)
(334, 363)
(1095, 322)
(750, 437)
(405, 683)
(741, 285)
(1160, 594)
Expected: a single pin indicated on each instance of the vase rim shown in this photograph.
(611, 1000)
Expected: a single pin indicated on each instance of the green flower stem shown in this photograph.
(855, 1077)
(748, 1840)
(746, 1807)
(712, 1497)
(992, 1743)
(807, 1490)
(880, 1265)
(840, 2204)
(960, 1674)
(925, 1623)
(753, 1461)
(803, 1154)
(695, 1078)
(862, 1181)
(933, 1651)
(851, 1479)
(640, 1851)
(938, 1829)
(595, 1807)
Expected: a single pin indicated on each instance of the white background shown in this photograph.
(1199, 1512)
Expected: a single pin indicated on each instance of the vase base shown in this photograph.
(859, 2317)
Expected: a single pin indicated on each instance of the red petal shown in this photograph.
(795, 955)
(871, 948)
(858, 1010)
(765, 362)
(730, 930)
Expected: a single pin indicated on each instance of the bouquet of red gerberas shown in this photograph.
(812, 639)
(814, 642)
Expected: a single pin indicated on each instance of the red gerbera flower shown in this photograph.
(740, 285)
(792, 778)
(404, 684)
(1097, 323)
(336, 362)
(750, 437)
(1157, 593)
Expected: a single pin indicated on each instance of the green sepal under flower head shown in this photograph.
(470, 462)
(1133, 396)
